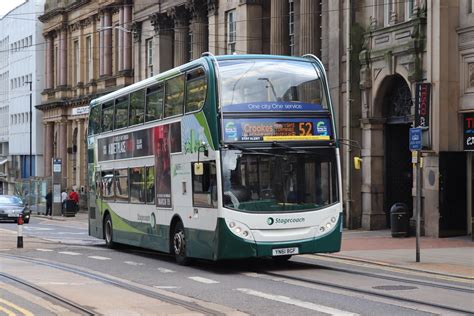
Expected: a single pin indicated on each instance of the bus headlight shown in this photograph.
(239, 229)
(329, 225)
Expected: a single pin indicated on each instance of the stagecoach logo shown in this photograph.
(153, 220)
(271, 220)
(322, 128)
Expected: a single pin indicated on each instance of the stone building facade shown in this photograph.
(88, 53)
(376, 52)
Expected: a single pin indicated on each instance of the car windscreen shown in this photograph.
(10, 200)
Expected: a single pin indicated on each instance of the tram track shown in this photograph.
(50, 296)
(142, 290)
(359, 291)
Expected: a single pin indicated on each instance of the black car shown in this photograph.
(12, 207)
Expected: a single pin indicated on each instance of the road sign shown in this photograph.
(415, 138)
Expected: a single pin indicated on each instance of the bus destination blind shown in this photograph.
(277, 129)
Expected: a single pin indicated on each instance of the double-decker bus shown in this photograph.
(224, 157)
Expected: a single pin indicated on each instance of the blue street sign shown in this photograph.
(415, 138)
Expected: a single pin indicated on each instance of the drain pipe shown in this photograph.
(347, 134)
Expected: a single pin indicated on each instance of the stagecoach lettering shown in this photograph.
(143, 218)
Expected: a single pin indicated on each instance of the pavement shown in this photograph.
(452, 256)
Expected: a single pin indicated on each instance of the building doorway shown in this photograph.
(398, 178)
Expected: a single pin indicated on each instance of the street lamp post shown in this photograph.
(31, 139)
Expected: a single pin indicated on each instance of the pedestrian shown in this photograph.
(49, 203)
(63, 201)
(75, 197)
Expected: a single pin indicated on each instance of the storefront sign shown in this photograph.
(422, 104)
(468, 131)
(80, 110)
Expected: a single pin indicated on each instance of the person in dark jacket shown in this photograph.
(49, 203)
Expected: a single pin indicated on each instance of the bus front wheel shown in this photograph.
(179, 244)
(108, 232)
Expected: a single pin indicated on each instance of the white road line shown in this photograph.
(98, 258)
(70, 253)
(132, 263)
(44, 250)
(164, 270)
(292, 301)
(203, 280)
(166, 287)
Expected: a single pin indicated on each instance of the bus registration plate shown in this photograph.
(285, 251)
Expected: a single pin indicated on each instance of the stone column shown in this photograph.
(63, 57)
(49, 61)
(138, 60)
(48, 148)
(121, 47)
(213, 29)
(127, 41)
(180, 17)
(69, 175)
(101, 44)
(81, 164)
(62, 151)
(310, 27)
(279, 37)
(199, 26)
(107, 43)
(163, 42)
(373, 215)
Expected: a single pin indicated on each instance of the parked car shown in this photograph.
(12, 207)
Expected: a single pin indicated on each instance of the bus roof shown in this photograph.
(172, 72)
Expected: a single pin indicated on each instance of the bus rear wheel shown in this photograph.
(109, 232)
(179, 244)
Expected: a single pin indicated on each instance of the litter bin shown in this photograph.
(399, 220)
(71, 208)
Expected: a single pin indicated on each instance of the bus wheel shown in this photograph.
(281, 259)
(108, 232)
(179, 244)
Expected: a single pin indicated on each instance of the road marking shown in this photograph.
(165, 287)
(132, 263)
(70, 253)
(292, 301)
(37, 228)
(44, 250)
(18, 308)
(164, 270)
(203, 280)
(5, 249)
(7, 311)
(99, 258)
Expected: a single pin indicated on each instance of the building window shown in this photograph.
(149, 57)
(387, 9)
(77, 63)
(89, 64)
(291, 26)
(409, 9)
(231, 31)
(56, 66)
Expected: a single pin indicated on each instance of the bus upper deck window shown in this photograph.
(108, 116)
(137, 107)
(196, 87)
(154, 103)
(174, 96)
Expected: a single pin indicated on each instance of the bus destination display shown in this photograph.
(250, 129)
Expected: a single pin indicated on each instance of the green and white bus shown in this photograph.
(225, 157)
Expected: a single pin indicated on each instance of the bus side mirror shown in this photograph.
(198, 168)
(357, 163)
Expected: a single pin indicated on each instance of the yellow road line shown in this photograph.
(7, 311)
(18, 308)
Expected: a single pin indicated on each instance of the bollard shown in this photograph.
(19, 241)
